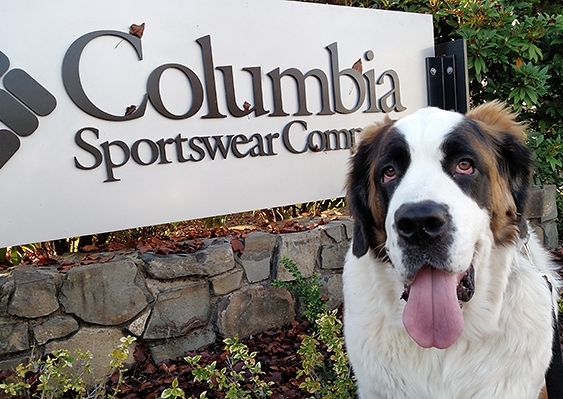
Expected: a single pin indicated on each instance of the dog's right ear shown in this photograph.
(361, 190)
(357, 195)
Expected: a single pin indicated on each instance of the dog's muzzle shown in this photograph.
(434, 288)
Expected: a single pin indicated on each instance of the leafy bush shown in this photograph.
(243, 368)
(325, 366)
(325, 361)
(306, 291)
(63, 375)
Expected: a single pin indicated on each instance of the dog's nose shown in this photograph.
(421, 222)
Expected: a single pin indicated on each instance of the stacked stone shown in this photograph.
(542, 213)
(174, 303)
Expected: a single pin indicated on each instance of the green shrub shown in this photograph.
(306, 291)
(243, 370)
(325, 361)
(63, 374)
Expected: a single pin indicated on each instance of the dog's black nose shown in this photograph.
(421, 222)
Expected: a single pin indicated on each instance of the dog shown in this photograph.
(446, 287)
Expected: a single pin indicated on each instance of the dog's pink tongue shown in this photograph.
(432, 315)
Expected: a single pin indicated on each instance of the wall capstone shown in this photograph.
(257, 255)
(215, 257)
(303, 249)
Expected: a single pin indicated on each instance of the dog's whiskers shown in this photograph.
(381, 252)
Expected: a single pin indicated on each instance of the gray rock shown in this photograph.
(12, 362)
(303, 249)
(35, 292)
(549, 235)
(214, 258)
(177, 347)
(542, 204)
(257, 255)
(535, 203)
(549, 211)
(105, 293)
(137, 326)
(227, 282)
(332, 289)
(100, 342)
(6, 289)
(179, 311)
(253, 310)
(333, 255)
(348, 227)
(14, 336)
(53, 328)
(334, 231)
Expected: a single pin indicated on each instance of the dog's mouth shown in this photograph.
(432, 314)
(465, 288)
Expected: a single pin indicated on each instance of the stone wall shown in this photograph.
(173, 303)
(542, 214)
(180, 302)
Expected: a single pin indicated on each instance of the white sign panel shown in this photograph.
(119, 114)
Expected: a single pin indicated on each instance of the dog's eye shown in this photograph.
(464, 167)
(389, 174)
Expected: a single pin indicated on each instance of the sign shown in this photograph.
(116, 115)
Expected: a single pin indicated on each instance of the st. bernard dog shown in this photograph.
(445, 285)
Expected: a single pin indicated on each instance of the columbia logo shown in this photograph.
(23, 99)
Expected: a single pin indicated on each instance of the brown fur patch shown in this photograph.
(497, 121)
(497, 118)
(363, 199)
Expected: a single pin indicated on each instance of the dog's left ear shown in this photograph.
(514, 159)
(516, 164)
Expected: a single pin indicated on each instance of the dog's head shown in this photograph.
(425, 192)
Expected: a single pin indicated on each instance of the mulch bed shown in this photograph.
(276, 350)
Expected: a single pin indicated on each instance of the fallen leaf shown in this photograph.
(358, 65)
(44, 261)
(118, 246)
(89, 248)
(237, 245)
(140, 353)
(65, 268)
(137, 30)
(144, 249)
(130, 109)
